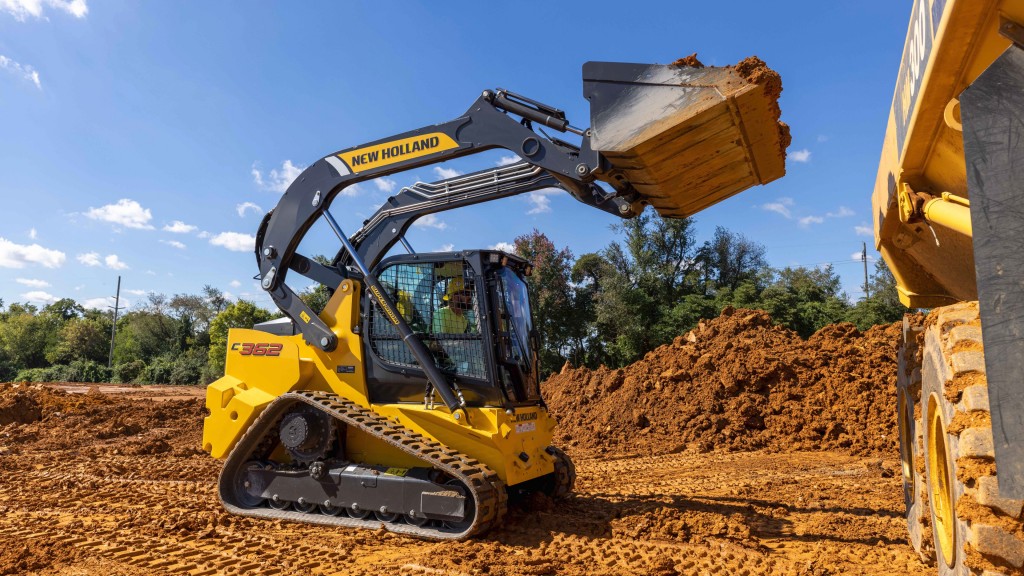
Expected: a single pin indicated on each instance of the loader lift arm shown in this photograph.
(677, 137)
(484, 126)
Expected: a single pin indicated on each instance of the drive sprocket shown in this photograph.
(307, 434)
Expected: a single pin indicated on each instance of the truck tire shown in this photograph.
(908, 417)
(974, 531)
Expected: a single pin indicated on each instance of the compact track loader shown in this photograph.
(412, 400)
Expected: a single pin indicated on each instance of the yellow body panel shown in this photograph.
(949, 44)
(253, 381)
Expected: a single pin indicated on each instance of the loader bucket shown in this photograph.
(684, 135)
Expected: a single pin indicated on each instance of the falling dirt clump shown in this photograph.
(690, 61)
(737, 382)
(755, 71)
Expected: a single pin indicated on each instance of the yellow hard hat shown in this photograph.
(457, 284)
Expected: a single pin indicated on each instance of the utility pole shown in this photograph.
(864, 259)
(113, 327)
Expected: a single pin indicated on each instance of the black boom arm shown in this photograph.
(486, 125)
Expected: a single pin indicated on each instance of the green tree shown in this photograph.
(317, 295)
(146, 334)
(64, 309)
(639, 282)
(805, 299)
(884, 306)
(730, 259)
(80, 339)
(552, 297)
(194, 313)
(25, 336)
(240, 314)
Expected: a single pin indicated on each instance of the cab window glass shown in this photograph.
(439, 301)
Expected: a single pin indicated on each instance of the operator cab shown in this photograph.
(472, 311)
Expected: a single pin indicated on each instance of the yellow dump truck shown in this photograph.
(948, 217)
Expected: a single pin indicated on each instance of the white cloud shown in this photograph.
(506, 160)
(32, 283)
(20, 255)
(234, 283)
(277, 180)
(799, 155)
(127, 213)
(179, 227)
(234, 241)
(430, 221)
(115, 263)
(111, 261)
(780, 206)
(808, 220)
(863, 230)
(229, 296)
(504, 247)
(385, 184)
(244, 206)
(174, 244)
(446, 173)
(843, 212)
(22, 9)
(104, 303)
(32, 234)
(204, 234)
(23, 71)
(351, 190)
(39, 296)
(150, 272)
(89, 259)
(859, 256)
(822, 138)
(447, 247)
(540, 202)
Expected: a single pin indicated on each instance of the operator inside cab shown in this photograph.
(453, 318)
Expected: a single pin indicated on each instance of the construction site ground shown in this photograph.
(738, 449)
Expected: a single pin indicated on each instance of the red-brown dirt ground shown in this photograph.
(739, 449)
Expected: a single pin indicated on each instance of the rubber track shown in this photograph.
(487, 489)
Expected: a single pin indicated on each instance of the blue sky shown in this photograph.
(147, 139)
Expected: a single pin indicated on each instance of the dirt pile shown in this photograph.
(39, 417)
(110, 482)
(737, 383)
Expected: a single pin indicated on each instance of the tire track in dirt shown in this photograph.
(81, 495)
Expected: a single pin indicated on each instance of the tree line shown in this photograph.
(609, 307)
(657, 282)
(164, 340)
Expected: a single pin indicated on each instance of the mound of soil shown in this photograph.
(737, 382)
(37, 417)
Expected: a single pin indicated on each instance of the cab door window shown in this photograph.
(440, 302)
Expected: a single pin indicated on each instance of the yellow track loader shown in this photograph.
(412, 400)
(948, 215)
